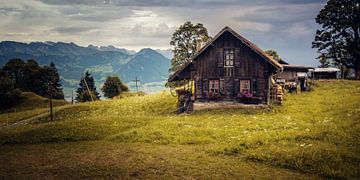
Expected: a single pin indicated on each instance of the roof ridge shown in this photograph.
(241, 38)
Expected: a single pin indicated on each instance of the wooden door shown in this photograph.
(228, 88)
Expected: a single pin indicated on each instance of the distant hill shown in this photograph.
(143, 64)
(166, 52)
(72, 60)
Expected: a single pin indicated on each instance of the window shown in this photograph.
(214, 86)
(229, 71)
(229, 57)
(244, 86)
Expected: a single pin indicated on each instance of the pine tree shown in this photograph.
(113, 86)
(82, 93)
(55, 82)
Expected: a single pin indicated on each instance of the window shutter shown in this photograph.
(205, 85)
(220, 57)
(221, 86)
(237, 57)
(220, 71)
(254, 86)
(236, 87)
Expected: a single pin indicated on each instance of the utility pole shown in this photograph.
(72, 96)
(87, 87)
(136, 83)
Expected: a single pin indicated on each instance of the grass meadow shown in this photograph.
(313, 135)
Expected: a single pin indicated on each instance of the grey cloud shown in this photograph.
(174, 3)
(150, 23)
(7, 11)
(281, 14)
(71, 30)
(160, 31)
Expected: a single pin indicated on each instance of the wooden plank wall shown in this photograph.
(248, 65)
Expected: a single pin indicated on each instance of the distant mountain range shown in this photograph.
(148, 65)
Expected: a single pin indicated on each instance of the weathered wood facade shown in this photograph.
(291, 73)
(228, 67)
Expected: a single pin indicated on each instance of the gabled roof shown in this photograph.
(251, 45)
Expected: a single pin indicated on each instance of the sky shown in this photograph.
(287, 26)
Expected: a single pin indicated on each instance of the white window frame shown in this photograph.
(229, 57)
(214, 86)
(245, 85)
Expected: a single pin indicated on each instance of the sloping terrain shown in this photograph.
(313, 135)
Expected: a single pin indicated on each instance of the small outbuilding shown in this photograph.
(294, 76)
(326, 73)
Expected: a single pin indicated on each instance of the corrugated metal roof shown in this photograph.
(329, 69)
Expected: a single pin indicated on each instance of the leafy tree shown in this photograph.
(113, 87)
(273, 54)
(8, 94)
(82, 93)
(184, 42)
(15, 69)
(338, 39)
(324, 63)
(29, 76)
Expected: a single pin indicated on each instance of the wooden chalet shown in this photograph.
(229, 68)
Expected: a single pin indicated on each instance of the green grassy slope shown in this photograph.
(316, 133)
(29, 105)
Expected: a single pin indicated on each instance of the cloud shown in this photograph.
(71, 30)
(283, 25)
(280, 13)
(300, 29)
(172, 3)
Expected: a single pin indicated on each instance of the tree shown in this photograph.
(30, 77)
(55, 82)
(15, 69)
(184, 42)
(113, 87)
(273, 54)
(324, 63)
(338, 39)
(8, 94)
(82, 93)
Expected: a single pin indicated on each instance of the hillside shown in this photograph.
(72, 60)
(313, 135)
(29, 105)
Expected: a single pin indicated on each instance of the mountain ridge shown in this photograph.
(72, 60)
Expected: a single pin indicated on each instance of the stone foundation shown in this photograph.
(226, 104)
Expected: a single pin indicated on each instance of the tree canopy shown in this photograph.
(30, 76)
(273, 54)
(113, 86)
(8, 93)
(87, 89)
(184, 43)
(338, 39)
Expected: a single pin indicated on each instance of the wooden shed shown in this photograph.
(326, 73)
(228, 68)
